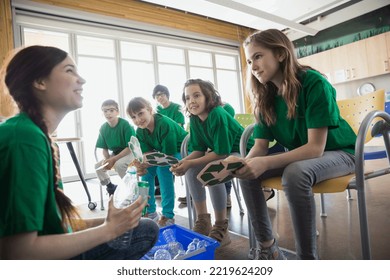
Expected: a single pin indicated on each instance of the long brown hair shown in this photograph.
(263, 94)
(27, 66)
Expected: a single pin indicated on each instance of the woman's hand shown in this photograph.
(121, 220)
(180, 168)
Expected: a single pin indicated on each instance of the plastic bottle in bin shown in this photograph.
(125, 194)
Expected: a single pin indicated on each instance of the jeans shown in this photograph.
(167, 188)
(144, 236)
(297, 181)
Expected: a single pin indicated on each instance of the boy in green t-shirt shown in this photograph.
(113, 138)
(171, 110)
(166, 107)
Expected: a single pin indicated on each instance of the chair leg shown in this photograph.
(349, 196)
(364, 235)
(237, 192)
(323, 211)
(190, 207)
(101, 197)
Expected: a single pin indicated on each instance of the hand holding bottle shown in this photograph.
(119, 221)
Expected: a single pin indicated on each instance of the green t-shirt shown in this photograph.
(27, 201)
(316, 107)
(166, 137)
(115, 138)
(173, 111)
(220, 133)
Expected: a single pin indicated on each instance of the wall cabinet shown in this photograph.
(358, 60)
(320, 62)
(378, 53)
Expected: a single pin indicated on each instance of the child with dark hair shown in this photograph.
(167, 107)
(37, 220)
(214, 134)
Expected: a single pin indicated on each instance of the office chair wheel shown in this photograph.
(92, 205)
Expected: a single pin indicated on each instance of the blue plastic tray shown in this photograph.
(185, 236)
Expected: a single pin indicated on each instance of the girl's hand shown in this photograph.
(141, 167)
(180, 168)
(121, 220)
(252, 168)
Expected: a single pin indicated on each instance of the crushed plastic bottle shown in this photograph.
(125, 194)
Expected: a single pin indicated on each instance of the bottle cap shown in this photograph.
(132, 170)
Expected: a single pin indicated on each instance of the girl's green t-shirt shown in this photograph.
(27, 201)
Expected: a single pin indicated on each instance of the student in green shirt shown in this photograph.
(295, 105)
(157, 133)
(167, 107)
(171, 110)
(214, 134)
(37, 220)
(113, 139)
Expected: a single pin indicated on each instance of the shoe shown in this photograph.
(220, 233)
(203, 224)
(110, 188)
(164, 221)
(229, 201)
(157, 192)
(271, 253)
(182, 199)
(153, 216)
(268, 194)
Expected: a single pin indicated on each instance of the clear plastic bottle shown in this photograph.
(125, 194)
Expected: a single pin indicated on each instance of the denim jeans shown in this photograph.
(167, 188)
(297, 181)
(144, 236)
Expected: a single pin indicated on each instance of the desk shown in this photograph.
(68, 141)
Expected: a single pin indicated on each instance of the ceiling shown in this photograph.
(296, 18)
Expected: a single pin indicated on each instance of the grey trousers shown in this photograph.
(297, 181)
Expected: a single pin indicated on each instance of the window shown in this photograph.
(121, 65)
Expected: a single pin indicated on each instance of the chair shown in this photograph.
(361, 113)
(101, 187)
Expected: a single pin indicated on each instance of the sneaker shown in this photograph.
(164, 221)
(182, 199)
(271, 253)
(153, 216)
(220, 233)
(268, 194)
(110, 188)
(229, 201)
(203, 224)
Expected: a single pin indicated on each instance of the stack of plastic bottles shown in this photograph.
(174, 250)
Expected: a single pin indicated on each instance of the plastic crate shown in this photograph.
(185, 237)
(387, 106)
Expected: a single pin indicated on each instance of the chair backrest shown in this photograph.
(184, 146)
(354, 110)
(245, 119)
